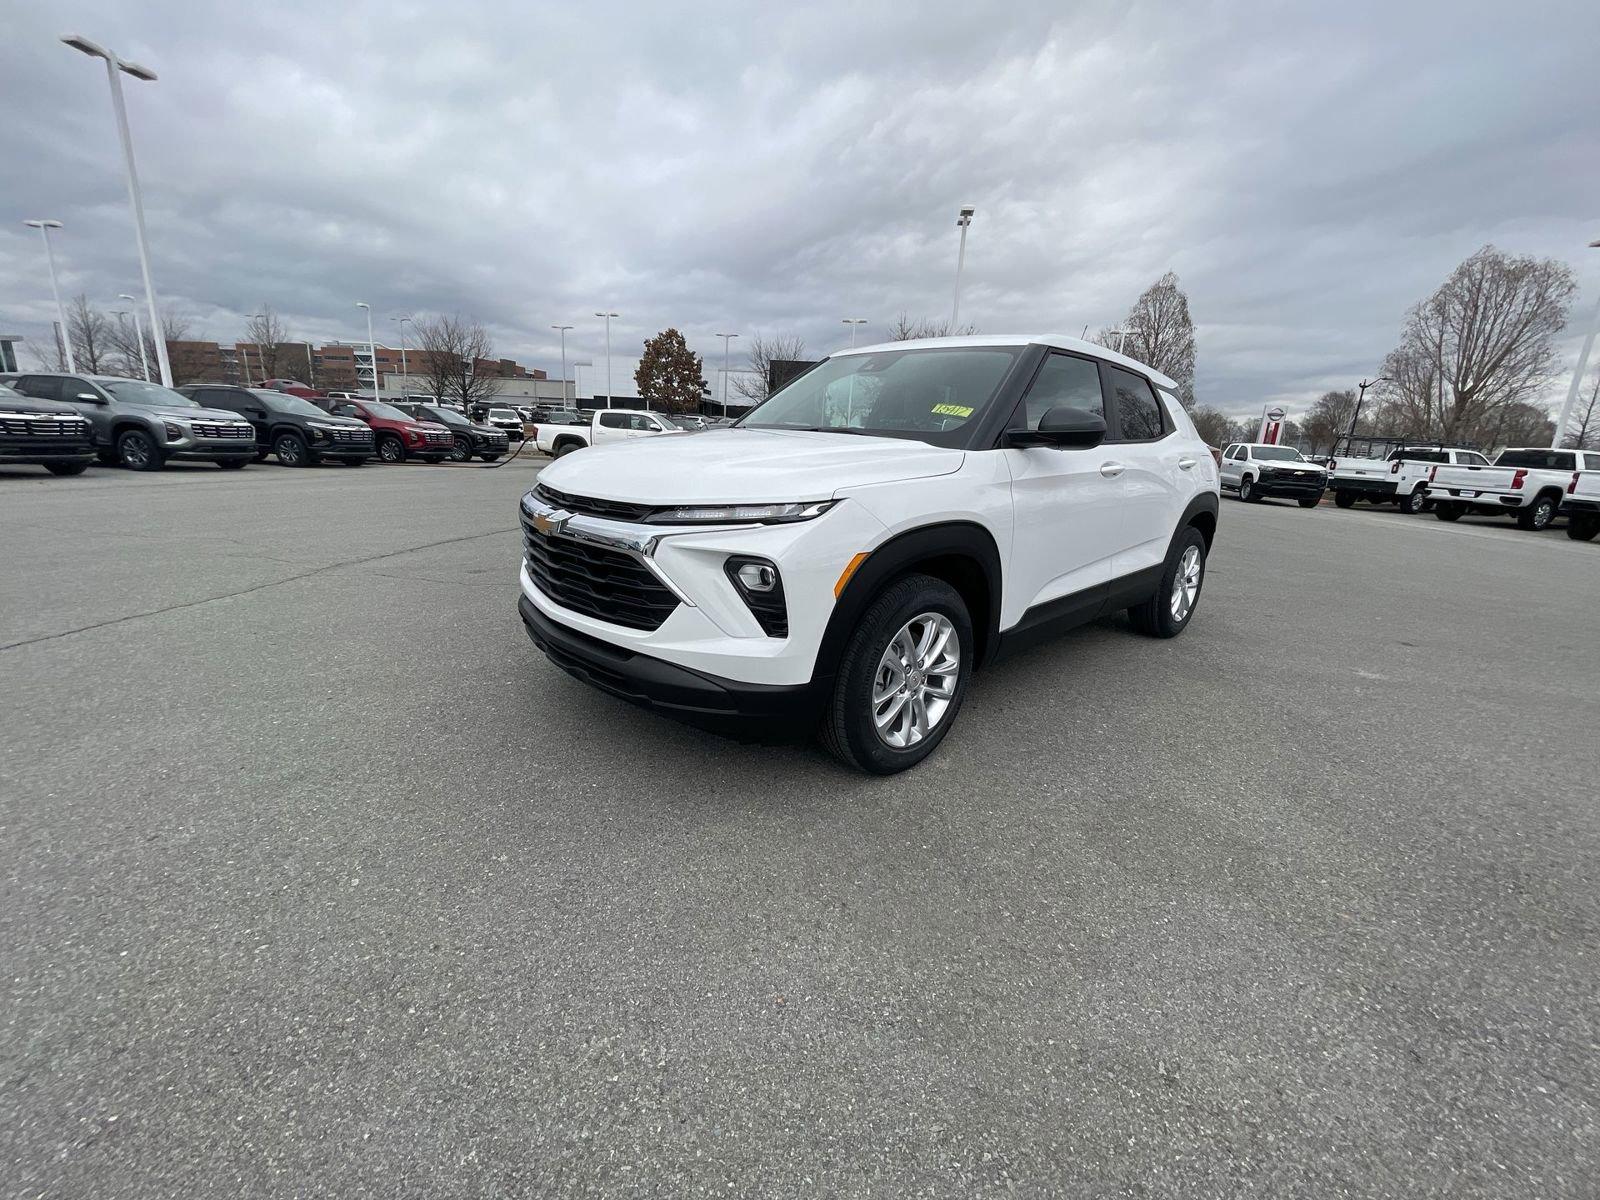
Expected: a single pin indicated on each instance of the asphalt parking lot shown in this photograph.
(318, 880)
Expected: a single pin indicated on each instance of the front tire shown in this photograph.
(1581, 527)
(1538, 515)
(1310, 501)
(291, 450)
(902, 677)
(391, 449)
(1169, 610)
(461, 452)
(1411, 505)
(1247, 490)
(138, 451)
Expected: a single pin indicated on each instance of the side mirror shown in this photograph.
(1065, 428)
(90, 397)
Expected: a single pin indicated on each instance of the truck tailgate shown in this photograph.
(1360, 468)
(1470, 481)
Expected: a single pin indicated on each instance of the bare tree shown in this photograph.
(450, 349)
(1483, 342)
(1159, 332)
(90, 332)
(266, 331)
(1587, 436)
(765, 350)
(1215, 427)
(906, 330)
(1328, 418)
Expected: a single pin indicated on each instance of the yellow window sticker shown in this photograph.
(951, 410)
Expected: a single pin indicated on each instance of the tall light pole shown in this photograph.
(577, 371)
(854, 323)
(563, 330)
(1577, 374)
(115, 69)
(608, 316)
(260, 357)
(44, 227)
(963, 221)
(372, 349)
(1122, 337)
(727, 340)
(401, 321)
(138, 332)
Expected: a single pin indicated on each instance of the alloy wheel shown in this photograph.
(915, 680)
(135, 451)
(1186, 584)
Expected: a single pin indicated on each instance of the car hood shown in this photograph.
(1295, 466)
(730, 466)
(194, 414)
(343, 422)
(43, 408)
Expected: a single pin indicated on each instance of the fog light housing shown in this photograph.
(760, 586)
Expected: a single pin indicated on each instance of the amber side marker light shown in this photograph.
(850, 570)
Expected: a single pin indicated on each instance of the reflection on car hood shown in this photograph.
(189, 414)
(744, 466)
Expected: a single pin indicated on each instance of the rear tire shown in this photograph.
(565, 448)
(1538, 515)
(1447, 512)
(1169, 610)
(80, 468)
(1345, 499)
(1411, 505)
(1582, 527)
(896, 621)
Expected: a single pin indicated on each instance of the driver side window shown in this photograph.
(1063, 382)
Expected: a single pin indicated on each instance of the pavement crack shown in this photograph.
(259, 587)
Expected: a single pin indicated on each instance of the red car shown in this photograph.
(291, 387)
(398, 437)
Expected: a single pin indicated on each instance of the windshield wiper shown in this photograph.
(820, 429)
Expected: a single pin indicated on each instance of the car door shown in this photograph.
(1229, 468)
(1160, 469)
(1066, 504)
(611, 427)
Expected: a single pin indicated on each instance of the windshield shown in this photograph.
(928, 395)
(279, 402)
(1275, 454)
(385, 412)
(151, 395)
(442, 415)
(505, 414)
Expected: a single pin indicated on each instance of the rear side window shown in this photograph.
(218, 398)
(1138, 414)
(1592, 460)
(1550, 460)
(1471, 458)
(614, 420)
(1064, 382)
(40, 387)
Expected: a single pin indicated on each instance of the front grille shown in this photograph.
(589, 506)
(597, 581)
(43, 426)
(440, 437)
(362, 436)
(213, 429)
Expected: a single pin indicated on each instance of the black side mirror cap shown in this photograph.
(1065, 428)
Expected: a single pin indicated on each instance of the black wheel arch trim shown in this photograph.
(950, 541)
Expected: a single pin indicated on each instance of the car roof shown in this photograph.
(1057, 341)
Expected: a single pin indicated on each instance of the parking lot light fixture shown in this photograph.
(563, 331)
(372, 349)
(116, 68)
(577, 378)
(138, 332)
(854, 323)
(963, 220)
(404, 373)
(727, 338)
(608, 316)
(1577, 374)
(44, 226)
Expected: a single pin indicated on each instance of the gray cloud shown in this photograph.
(777, 167)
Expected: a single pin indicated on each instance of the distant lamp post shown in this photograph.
(563, 330)
(44, 227)
(608, 316)
(138, 332)
(1360, 397)
(1577, 375)
(727, 339)
(963, 220)
(1122, 338)
(115, 69)
(577, 372)
(404, 373)
(372, 349)
(854, 323)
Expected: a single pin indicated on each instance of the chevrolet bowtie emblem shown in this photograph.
(550, 523)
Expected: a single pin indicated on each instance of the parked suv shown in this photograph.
(1256, 471)
(291, 427)
(878, 529)
(44, 432)
(471, 438)
(398, 435)
(142, 425)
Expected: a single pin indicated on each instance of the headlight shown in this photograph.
(741, 514)
(173, 431)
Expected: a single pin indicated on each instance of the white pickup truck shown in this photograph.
(607, 426)
(1581, 504)
(1527, 482)
(1399, 478)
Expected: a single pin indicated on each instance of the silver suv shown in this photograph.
(141, 425)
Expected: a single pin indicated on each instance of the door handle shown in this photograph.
(1187, 463)
(1111, 469)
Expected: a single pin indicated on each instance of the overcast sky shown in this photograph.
(778, 167)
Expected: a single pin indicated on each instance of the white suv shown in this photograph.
(878, 529)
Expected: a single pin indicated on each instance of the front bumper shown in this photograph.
(210, 449)
(653, 683)
(1288, 485)
(1363, 487)
(45, 450)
